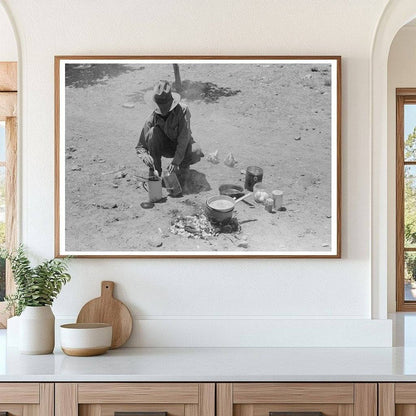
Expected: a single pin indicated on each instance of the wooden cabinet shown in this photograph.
(208, 399)
(27, 399)
(397, 399)
(296, 399)
(153, 399)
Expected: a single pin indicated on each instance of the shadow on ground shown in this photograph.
(85, 75)
(194, 183)
(208, 92)
(205, 91)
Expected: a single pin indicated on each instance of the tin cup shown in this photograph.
(254, 174)
(154, 188)
(277, 199)
(268, 205)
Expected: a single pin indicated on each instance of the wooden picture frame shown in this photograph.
(8, 115)
(404, 96)
(283, 101)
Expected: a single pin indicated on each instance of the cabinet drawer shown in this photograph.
(19, 393)
(21, 399)
(152, 399)
(297, 399)
(138, 393)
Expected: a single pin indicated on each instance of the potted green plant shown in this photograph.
(36, 289)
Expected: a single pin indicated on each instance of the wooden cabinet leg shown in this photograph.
(365, 399)
(224, 399)
(386, 399)
(207, 399)
(66, 399)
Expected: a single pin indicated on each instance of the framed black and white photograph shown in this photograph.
(198, 156)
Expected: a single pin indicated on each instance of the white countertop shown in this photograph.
(213, 364)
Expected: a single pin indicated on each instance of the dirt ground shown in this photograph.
(276, 117)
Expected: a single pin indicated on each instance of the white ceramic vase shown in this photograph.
(37, 330)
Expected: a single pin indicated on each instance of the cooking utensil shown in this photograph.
(172, 184)
(107, 309)
(242, 198)
(221, 203)
(85, 340)
(222, 212)
(219, 216)
(234, 191)
(215, 213)
(154, 188)
(249, 204)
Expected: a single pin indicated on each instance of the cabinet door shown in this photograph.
(143, 399)
(297, 399)
(26, 399)
(397, 399)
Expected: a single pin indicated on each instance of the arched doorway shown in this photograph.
(396, 14)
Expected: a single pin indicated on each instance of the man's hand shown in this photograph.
(172, 168)
(147, 160)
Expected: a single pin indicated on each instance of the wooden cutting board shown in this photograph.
(107, 309)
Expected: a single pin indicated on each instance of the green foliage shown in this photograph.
(35, 286)
(410, 209)
(410, 267)
(410, 205)
(410, 146)
(410, 191)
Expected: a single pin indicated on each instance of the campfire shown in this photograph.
(200, 226)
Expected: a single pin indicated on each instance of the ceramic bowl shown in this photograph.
(83, 340)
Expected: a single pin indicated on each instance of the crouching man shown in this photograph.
(167, 132)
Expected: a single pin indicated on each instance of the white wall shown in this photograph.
(181, 301)
(401, 74)
(8, 47)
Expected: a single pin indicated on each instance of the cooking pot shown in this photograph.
(220, 207)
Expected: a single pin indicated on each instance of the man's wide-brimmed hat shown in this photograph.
(161, 98)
